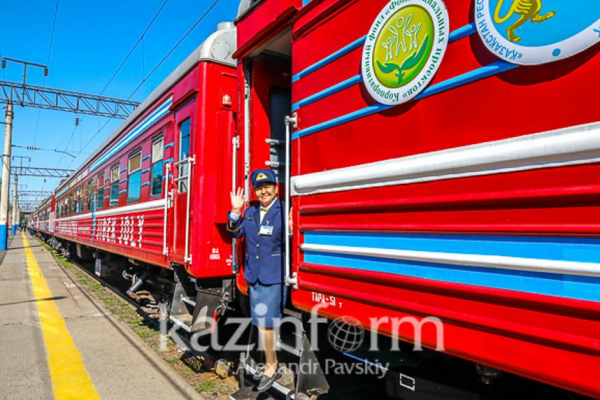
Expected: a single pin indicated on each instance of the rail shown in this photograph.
(290, 123)
(191, 161)
(235, 146)
(167, 197)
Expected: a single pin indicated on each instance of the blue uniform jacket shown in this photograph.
(264, 253)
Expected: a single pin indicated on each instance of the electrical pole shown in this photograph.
(15, 209)
(6, 178)
(16, 215)
(4, 197)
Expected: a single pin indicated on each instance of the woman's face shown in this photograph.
(266, 194)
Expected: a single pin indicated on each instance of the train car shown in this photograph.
(145, 199)
(443, 165)
(42, 219)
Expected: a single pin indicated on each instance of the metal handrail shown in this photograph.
(167, 194)
(188, 258)
(235, 145)
(290, 123)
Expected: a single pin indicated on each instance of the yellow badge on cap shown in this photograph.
(261, 176)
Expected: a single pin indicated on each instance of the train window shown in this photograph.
(90, 199)
(114, 186)
(100, 192)
(156, 177)
(135, 177)
(184, 153)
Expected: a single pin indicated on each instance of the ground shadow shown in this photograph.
(31, 301)
(23, 247)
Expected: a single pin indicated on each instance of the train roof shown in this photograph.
(218, 47)
(245, 6)
(45, 203)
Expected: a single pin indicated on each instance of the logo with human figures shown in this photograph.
(531, 32)
(404, 49)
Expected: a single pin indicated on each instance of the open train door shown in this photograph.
(183, 170)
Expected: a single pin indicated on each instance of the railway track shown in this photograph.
(147, 307)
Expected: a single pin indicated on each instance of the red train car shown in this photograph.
(443, 165)
(42, 219)
(147, 193)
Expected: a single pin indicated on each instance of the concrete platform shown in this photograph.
(102, 359)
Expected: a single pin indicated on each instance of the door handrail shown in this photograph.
(191, 161)
(167, 195)
(290, 123)
(235, 145)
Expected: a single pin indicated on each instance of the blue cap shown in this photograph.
(262, 177)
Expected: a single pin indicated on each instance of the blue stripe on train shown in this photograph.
(562, 285)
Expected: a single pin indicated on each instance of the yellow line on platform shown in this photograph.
(70, 379)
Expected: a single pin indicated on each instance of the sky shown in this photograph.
(83, 42)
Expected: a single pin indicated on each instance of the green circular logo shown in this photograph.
(403, 46)
(404, 49)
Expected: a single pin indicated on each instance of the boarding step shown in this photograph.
(182, 321)
(275, 142)
(189, 301)
(250, 393)
(284, 385)
(292, 313)
(288, 349)
(275, 164)
(189, 324)
(308, 381)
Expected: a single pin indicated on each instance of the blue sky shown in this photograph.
(91, 39)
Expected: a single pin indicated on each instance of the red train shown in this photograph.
(443, 164)
(144, 191)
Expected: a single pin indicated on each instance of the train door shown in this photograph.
(267, 75)
(183, 170)
(270, 104)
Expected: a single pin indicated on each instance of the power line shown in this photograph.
(89, 141)
(135, 45)
(37, 122)
(140, 39)
(52, 34)
(213, 5)
(65, 138)
(208, 10)
(33, 148)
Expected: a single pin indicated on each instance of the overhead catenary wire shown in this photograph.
(33, 148)
(140, 39)
(89, 141)
(37, 122)
(52, 33)
(208, 10)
